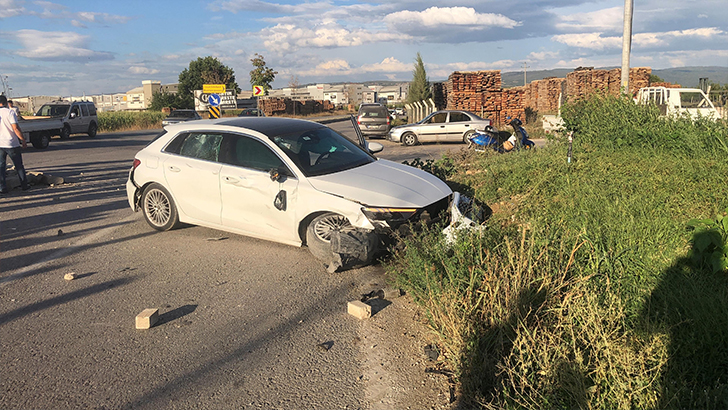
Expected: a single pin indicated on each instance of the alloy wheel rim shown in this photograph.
(157, 207)
(325, 227)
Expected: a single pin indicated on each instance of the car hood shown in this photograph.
(384, 183)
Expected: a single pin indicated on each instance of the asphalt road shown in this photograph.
(244, 323)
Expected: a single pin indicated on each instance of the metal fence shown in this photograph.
(420, 109)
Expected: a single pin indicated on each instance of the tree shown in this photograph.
(207, 70)
(419, 88)
(261, 75)
(162, 99)
(654, 78)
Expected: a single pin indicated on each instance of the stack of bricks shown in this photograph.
(550, 91)
(530, 96)
(586, 80)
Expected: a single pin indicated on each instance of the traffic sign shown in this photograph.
(214, 88)
(214, 112)
(258, 90)
(214, 100)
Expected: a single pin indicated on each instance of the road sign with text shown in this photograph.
(214, 88)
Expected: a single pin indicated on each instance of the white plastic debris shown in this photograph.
(463, 218)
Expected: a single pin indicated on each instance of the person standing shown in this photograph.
(11, 140)
(12, 106)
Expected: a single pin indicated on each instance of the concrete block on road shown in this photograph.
(147, 318)
(391, 293)
(359, 309)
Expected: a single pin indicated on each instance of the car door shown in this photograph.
(433, 127)
(457, 125)
(252, 201)
(192, 172)
(75, 118)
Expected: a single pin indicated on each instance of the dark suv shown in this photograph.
(374, 120)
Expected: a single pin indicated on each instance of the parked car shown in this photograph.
(62, 118)
(251, 112)
(285, 180)
(440, 126)
(374, 120)
(178, 116)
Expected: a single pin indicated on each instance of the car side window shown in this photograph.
(84, 110)
(438, 118)
(458, 117)
(74, 110)
(92, 109)
(248, 152)
(201, 146)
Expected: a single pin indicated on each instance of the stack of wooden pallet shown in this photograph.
(586, 80)
(550, 91)
(272, 106)
(475, 91)
(512, 104)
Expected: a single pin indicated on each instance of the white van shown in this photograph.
(676, 101)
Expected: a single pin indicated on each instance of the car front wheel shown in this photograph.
(319, 231)
(409, 139)
(158, 208)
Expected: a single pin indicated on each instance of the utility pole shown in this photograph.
(524, 72)
(626, 44)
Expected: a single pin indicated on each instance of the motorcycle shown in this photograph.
(501, 141)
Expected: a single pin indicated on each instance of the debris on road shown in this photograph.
(222, 238)
(359, 309)
(351, 248)
(60, 232)
(466, 215)
(70, 276)
(325, 346)
(147, 318)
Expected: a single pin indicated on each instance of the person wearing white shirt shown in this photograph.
(11, 141)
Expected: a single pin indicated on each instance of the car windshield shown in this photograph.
(182, 114)
(50, 110)
(322, 151)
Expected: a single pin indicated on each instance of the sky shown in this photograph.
(100, 46)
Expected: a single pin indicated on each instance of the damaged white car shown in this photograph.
(285, 180)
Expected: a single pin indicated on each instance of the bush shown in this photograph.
(110, 121)
(587, 290)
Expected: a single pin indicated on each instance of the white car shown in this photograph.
(440, 126)
(284, 180)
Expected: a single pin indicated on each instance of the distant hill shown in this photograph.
(685, 76)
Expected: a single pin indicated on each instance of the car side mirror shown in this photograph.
(375, 147)
(275, 175)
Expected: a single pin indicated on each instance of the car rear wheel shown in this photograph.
(40, 140)
(409, 139)
(468, 135)
(319, 231)
(158, 207)
(92, 129)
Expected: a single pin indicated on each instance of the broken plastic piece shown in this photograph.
(465, 216)
(352, 248)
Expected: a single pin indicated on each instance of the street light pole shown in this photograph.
(626, 44)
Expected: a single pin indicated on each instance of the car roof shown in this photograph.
(270, 125)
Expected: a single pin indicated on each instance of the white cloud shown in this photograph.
(450, 16)
(595, 41)
(142, 70)
(288, 37)
(10, 8)
(57, 46)
(78, 24)
(604, 20)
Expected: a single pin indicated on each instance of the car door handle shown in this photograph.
(236, 181)
(442, 126)
(173, 169)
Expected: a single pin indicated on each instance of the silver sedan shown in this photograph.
(440, 126)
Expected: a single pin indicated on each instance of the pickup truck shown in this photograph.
(678, 101)
(61, 118)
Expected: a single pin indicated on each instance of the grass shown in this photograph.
(584, 292)
(112, 121)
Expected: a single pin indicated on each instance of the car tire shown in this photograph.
(92, 129)
(318, 233)
(158, 208)
(65, 132)
(467, 136)
(409, 139)
(40, 140)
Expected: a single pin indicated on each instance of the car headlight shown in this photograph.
(388, 217)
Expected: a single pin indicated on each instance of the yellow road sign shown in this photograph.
(258, 90)
(213, 88)
(214, 112)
